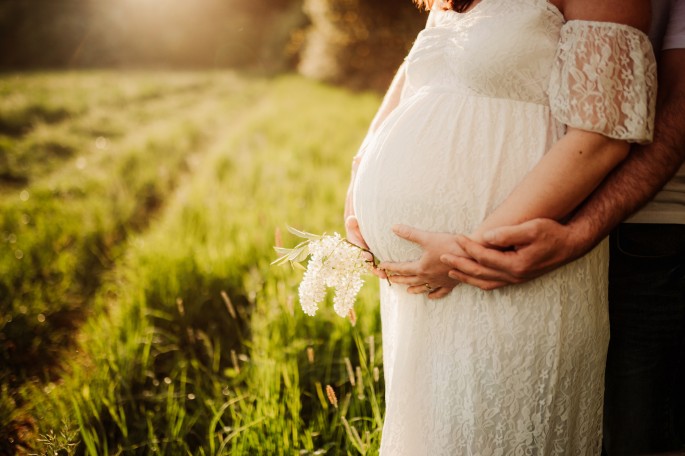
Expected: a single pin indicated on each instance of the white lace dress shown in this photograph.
(516, 371)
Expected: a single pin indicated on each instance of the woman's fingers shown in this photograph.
(354, 234)
(380, 273)
(406, 268)
(433, 293)
(411, 280)
(439, 292)
(483, 284)
(410, 234)
(419, 289)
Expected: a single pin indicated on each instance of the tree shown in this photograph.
(358, 43)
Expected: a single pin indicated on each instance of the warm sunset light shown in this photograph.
(183, 33)
(341, 227)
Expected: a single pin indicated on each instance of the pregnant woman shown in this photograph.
(503, 111)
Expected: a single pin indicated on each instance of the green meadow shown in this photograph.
(139, 312)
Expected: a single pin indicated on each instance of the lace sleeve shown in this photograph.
(604, 80)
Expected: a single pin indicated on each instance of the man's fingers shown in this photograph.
(507, 236)
(409, 233)
(488, 257)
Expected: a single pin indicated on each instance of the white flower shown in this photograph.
(312, 289)
(334, 263)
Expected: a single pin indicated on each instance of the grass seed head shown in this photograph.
(350, 371)
(331, 396)
(353, 317)
(360, 383)
(229, 305)
(372, 350)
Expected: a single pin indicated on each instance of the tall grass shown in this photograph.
(64, 228)
(195, 344)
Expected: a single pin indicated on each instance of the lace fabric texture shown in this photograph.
(517, 371)
(604, 80)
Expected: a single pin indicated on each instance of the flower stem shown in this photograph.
(373, 259)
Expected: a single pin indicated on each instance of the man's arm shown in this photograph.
(542, 245)
(649, 167)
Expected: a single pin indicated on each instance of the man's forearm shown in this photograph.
(647, 169)
(542, 245)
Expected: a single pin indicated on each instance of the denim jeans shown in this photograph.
(644, 405)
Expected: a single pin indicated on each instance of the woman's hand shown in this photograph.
(352, 232)
(354, 235)
(427, 274)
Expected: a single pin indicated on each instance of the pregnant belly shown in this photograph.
(406, 180)
(442, 164)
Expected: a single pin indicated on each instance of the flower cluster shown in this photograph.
(333, 262)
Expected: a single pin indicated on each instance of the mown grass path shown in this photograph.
(154, 233)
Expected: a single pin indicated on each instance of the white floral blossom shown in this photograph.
(312, 289)
(337, 264)
(346, 294)
(334, 263)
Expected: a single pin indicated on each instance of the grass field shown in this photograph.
(139, 313)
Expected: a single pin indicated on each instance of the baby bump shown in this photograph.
(394, 185)
(412, 174)
(440, 165)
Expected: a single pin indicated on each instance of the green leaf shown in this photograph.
(282, 250)
(279, 261)
(295, 255)
(301, 256)
(303, 234)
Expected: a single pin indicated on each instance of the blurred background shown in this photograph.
(353, 42)
(152, 153)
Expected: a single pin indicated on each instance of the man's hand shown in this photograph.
(515, 254)
(427, 274)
